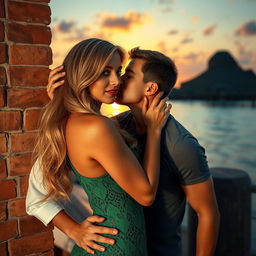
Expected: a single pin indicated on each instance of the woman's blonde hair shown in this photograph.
(83, 65)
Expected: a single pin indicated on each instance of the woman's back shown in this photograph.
(79, 129)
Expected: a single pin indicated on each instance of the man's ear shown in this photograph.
(151, 88)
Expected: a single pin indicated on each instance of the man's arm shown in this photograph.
(35, 206)
(195, 179)
(84, 234)
(201, 198)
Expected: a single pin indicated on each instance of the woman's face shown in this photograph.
(105, 89)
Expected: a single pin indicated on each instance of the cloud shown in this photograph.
(173, 32)
(191, 56)
(125, 22)
(162, 47)
(166, 1)
(78, 34)
(175, 49)
(166, 10)
(65, 26)
(247, 29)
(182, 11)
(245, 57)
(209, 30)
(69, 31)
(187, 40)
(195, 19)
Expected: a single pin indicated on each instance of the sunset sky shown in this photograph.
(188, 31)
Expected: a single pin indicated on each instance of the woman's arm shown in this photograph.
(101, 141)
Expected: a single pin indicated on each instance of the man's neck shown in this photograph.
(136, 110)
(138, 120)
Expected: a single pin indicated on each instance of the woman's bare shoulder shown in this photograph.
(90, 126)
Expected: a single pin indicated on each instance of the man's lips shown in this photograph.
(112, 93)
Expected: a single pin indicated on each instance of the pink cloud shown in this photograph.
(173, 32)
(125, 22)
(209, 30)
(247, 29)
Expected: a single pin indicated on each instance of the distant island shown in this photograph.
(223, 80)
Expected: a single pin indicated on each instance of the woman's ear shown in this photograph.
(151, 88)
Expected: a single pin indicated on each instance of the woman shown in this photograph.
(74, 135)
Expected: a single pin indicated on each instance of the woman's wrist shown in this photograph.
(71, 230)
(154, 131)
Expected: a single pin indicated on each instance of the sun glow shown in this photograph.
(113, 109)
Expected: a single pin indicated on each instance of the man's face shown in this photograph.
(132, 87)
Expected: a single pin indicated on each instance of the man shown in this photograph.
(184, 172)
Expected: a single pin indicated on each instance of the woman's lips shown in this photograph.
(112, 93)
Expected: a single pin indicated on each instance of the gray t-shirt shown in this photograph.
(182, 162)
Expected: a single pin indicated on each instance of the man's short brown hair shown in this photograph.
(157, 68)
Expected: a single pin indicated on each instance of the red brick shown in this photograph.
(2, 53)
(2, 9)
(20, 165)
(51, 253)
(10, 120)
(3, 170)
(8, 230)
(30, 34)
(3, 249)
(23, 142)
(31, 119)
(17, 208)
(26, 98)
(31, 225)
(2, 93)
(8, 189)
(40, 1)
(1, 31)
(27, 12)
(24, 185)
(28, 76)
(3, 142)
(30, 55)
(2, 76)
(2, 211)
(31, 244)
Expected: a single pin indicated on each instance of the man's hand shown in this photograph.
(85, 234)
(54, 80)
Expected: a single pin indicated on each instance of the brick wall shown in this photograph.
(24, 59)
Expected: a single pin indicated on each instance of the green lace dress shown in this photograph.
(121, 211)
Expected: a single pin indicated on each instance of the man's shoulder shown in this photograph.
(175, 132)
(186, 152)
(124, 119)
(179, 140)
(122, 116)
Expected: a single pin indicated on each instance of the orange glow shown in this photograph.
(113, 109)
